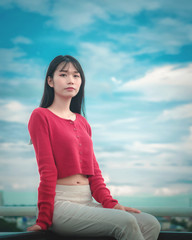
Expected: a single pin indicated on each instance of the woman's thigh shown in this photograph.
(77, 219)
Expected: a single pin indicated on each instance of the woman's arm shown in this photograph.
(40, 136)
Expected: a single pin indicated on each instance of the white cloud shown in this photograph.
(21, 40)
(14, 60)
(100, 61)
(166, 150)
(11, 53)
(64, 15)
(75, 15)
(123, 121)
(42, 7)
(124, 190)
(18, 171)
(20, 182)
(142, 191)
(102, 126)
(180, 112)
(17, 148)
(174, 190)
(23, 82)
(166, 83)
(139, 179)
(150, 147)
(103, 57)
(110, 155)
(115, 80)
(129, 7)
(138, 167)
(147, 40)
(69, 15)
(14, 111)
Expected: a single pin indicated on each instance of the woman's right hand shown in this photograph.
(34, 228)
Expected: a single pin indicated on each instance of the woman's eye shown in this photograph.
(63, 75)
(76, 75)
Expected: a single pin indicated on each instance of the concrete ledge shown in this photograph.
(48, 235)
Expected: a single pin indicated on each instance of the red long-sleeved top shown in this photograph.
(63, 148)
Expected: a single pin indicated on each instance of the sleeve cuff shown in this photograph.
(110, 204)
(42, 225)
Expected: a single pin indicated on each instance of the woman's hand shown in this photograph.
(34, 228)
(128, 209)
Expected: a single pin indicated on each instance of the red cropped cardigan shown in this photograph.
(63, 148)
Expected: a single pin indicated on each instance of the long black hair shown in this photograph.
(77, 104)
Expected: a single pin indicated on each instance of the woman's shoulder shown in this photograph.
(38, 113)
(85, 122)
(82, 118)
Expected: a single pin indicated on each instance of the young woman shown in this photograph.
(69, 173)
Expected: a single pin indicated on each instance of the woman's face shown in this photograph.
(66, 81)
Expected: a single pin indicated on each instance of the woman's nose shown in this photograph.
(70, 79)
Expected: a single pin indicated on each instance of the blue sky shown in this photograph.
(138, 65)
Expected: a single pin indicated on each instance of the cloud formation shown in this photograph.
(21, 40)
(166, 83)
(180, 112)
(14, 111)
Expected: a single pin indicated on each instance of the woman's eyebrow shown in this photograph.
(63, 70)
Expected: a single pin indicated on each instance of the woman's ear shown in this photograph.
(50, 81)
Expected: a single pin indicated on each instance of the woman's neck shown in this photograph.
(61, 108)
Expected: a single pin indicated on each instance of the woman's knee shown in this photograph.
(127, 220)
(147, 222)
(156, 225)
(127, 227)
(153, 224)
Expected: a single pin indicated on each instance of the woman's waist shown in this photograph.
(76, 179)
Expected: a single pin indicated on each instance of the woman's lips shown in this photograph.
(70, 88)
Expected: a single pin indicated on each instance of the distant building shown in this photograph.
(1, 198)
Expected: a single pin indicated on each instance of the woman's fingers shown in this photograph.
(34, 228)
(128, 209)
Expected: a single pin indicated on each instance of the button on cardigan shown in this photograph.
(63, 148)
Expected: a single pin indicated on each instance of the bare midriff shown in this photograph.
(77, 179)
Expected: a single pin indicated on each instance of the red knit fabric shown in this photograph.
(63, 148)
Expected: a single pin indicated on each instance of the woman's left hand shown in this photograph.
(128, 209)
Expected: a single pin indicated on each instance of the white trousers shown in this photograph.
(75, 213)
